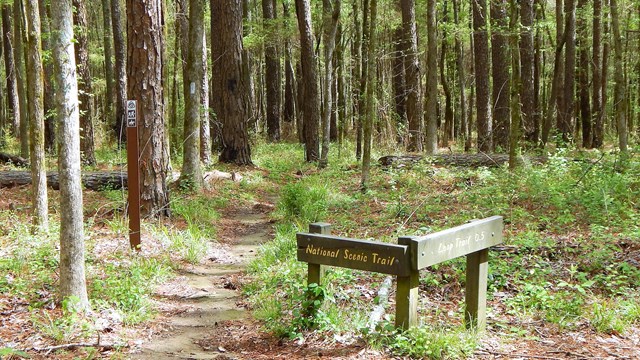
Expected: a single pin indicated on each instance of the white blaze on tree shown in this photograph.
(72, 274)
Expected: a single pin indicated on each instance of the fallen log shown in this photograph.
(96, 181)
(13, 159)
(465, 160)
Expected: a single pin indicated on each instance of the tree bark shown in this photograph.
(431, 104)
(583, 75)
(371, 84)
(144, 70)
(481, 63)
(596, 66)
(272, 72)
(412, 76)
(35, 92)
(18, 55)
(331, 14)
(84, 83)
(462, 80)
(517, 82)
(120, 72)
(49, 89)
(10, 69)
(289, 76)
(191, 171)
(565, 125)
(108, 59)
(72, 274)
(205, 122)
(527, 59)
(500, 66)
(399, 85)
(619, 100)
(310, 81)
(230, 82)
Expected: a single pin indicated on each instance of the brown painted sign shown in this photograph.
(454, 242)
(354, 254)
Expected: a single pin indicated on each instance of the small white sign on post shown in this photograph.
(132, 113)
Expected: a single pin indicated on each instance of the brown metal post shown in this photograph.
(133, 176)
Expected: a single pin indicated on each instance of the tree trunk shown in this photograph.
(18, 55)
(191, 173)
(144, 70)
(49, 90)
(120, 71)
(35, 92)
(331, 14)
(72, 274)
(516, 88)
(556, 99)
(448, 132)
(399, 85)
(205, 121)
(596, 66)
(10, 72)
(84, 83)
(289, 76)
(565, 125)
(108, 61)
(481, 63)
(356, 55)
(527, 60)
(501, 91)
(368, 124)
(412, 75)
(362, 85)
(619, 90)
(337, 127)
(228, 41)
(462, 79)
(272, 72)
(431, 105)
(310, 81)
(583, 75)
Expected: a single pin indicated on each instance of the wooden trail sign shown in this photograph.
(406, 259)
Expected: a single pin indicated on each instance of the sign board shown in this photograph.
(132, 113)
(353, 254)
(454, 242)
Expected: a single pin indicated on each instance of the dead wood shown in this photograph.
(464, 160)
(96, 181)
(13, 159)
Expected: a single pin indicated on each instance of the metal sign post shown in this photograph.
(133, 176)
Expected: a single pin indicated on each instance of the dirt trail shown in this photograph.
(208, 294)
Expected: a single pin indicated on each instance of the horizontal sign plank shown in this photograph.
(454, 242)
(353, 254)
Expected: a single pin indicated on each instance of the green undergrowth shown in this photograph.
(570, 256)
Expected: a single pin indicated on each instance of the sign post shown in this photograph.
(133, 177)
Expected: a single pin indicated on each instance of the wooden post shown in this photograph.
(133, 168)
(315, 271)
(407, 294)
(476, 289)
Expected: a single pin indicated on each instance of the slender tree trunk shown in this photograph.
(49, 90)
(289, 76)
(527, 60)
(120, 71)
(35, 92)
(108, 58)
(230, 80)
(538, 70)
(144, 70)
(18, 55)
(363, 79)
(356, 56)
(606, 52)
(565, 125)
(412, 76)
(331, 13)
(619, 95)
(481, 61)
(448, 132)
(252, 108)
(368, 124)
(462, 79)
(337, 115)
(191, 172)
(431, 105)
(300, 102)
(72, 274)
(84, 83)
(596, 66)
(272, 72)
(310, 81)
(501, 91)
(205, 122)
(583, 75)
(516, 88)
(399, 85)
(556, 100)
(10, 69)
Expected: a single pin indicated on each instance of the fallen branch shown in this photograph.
(49, 349)
(13, 159)
(96, 181)
(514, 355)
(383, 300)
(467, 160)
